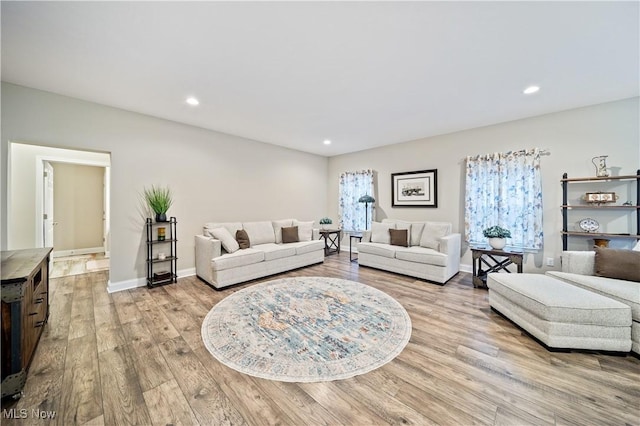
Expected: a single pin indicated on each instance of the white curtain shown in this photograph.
(505, 189)
(354, 185)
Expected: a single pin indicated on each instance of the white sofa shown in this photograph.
(433, 251)
(221, 264)
(578, 269)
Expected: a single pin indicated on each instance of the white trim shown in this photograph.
(142, 282)
(74, 252)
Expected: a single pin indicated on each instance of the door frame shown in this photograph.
(39, 192)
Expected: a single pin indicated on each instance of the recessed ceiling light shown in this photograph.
(193, 101)
(531, 90)
(327, 142)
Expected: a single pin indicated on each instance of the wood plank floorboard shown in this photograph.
(137, 357)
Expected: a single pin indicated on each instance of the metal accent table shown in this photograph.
(352, 237)
(332, 238)
(487, 256)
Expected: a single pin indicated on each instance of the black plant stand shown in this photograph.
(155, 276)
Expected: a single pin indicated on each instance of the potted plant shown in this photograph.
(159, 200)
(496, 236)
(325, 221)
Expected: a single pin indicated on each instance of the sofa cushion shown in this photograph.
(277, 228)
(432, 233)
(243, 239)
(399, 237)
(237, 259)
(305, 230)
(290, 234)
(226, 239)
(259, 232)
(232, 227)
(620, 264)
(380, 232)
(274, 251)
(422, 255)
(303, 247)
(557, 301)
(385, 250)
(627, 292)
(414, 228)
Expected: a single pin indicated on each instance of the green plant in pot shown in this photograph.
(497, 236)
(159, 200)
(325, 221)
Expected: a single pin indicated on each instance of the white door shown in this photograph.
(48, 204)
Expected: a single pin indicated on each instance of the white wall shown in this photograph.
(573, 137)
(214, 176)
(78, 207)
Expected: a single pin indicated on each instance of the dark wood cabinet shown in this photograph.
(25, 310)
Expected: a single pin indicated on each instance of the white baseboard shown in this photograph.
(466, 268)
(64, 253)
(113, 287)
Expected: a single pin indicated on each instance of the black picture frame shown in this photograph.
(415, 189)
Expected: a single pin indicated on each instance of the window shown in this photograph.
(354, 185)
(505, 190)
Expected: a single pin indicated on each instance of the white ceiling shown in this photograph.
(362, 74)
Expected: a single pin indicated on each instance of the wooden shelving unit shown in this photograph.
(157, 278)
(566, 233)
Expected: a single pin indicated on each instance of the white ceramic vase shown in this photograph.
(498, 243)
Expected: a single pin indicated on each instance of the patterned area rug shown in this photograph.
(309, 329)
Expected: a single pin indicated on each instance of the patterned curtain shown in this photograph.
(354, 185)
(505, 189)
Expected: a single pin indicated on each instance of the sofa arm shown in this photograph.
(450, 245)
(206, 249)
(315, 234)
(578, 262)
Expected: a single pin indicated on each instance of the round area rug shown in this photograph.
(308, 329)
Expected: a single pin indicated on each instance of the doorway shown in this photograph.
(32, 170)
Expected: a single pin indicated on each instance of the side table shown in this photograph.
(487, 256)
(332, 238)
(352, 237)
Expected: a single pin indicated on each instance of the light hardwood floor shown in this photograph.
(136, 357)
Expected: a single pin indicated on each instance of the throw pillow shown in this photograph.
(243, 239)
(226, 239)
(616, 263)
(432, 233)
(305, 230)
(290, 234)
(380, 232)
(399, 237)
(277, 228)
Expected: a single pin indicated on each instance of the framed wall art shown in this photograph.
(415, 189)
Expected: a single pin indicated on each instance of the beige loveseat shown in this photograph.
(578, 269)
(432, 252)
(221, 263)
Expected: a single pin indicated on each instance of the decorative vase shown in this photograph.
(497, 243)
(161, 217)
(601, 242)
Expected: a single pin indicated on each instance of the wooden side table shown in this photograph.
(487, 256)
(352, 237)
(332, 238)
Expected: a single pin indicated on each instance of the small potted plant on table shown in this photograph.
(324, 222)
(497, 236)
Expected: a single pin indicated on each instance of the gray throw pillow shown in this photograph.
(290, 234)
(615, 263)
(399, 237)
(243, 239)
